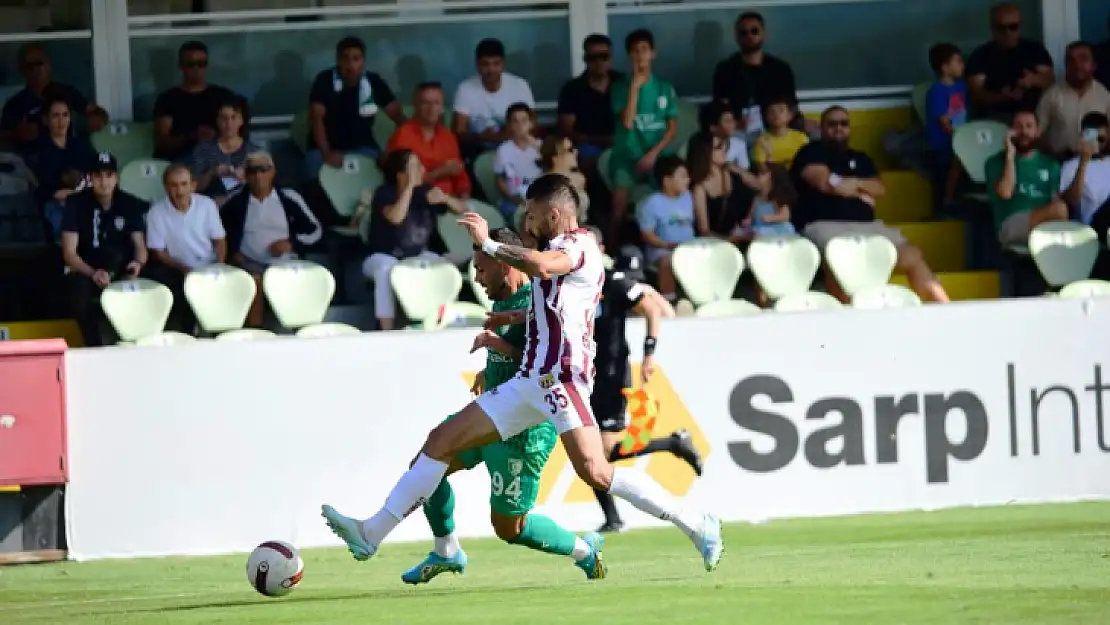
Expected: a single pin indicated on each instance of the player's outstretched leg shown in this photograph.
(541, 533)
(447, 556)
(679, 443)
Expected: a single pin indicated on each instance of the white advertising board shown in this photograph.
(215, 447)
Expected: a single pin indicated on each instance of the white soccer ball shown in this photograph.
(274, 568)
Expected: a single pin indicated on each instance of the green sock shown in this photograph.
(440, 510)
(543, 534)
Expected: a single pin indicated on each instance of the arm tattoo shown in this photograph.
(516, 256)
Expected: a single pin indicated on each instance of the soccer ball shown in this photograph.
(274, 568)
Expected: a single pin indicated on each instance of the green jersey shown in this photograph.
(655, 104)
(1037, 182)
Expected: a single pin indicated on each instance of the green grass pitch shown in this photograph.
(996, 566)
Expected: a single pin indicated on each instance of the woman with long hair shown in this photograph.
(721, 197)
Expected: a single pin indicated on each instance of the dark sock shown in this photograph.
(608, 506)
(667, 443)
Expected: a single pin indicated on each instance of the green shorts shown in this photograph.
(514, 468)
(623, 174)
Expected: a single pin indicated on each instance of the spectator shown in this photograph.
(1065, 104)
(218, 163)
(584, 101)
(23, 116)
(1009, 73)
(559, 155)
(482, 102)
(60, 162)
(667, 220)
(779, 142)
(186, 114)
(647, 110)
(751, 80)
(102, 239)
(184, 232)
(518, 161)
(770, 209)
(837, 187)
(1085, 179)
(945, 110)
(718, 120)
(401, 223)
(344, 102)
(1023, 183)
(264, 224)
(433, 143)
(718, 193)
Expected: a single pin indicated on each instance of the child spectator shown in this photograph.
(770, 211)
(779, 142)
(945, 110)
(717, 119)
(517, 162)
(667, 219)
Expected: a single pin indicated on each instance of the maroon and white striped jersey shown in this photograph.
(560, 334)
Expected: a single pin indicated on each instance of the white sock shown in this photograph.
(646, 495)
(411, 491)
(447, 546)
(581, 550)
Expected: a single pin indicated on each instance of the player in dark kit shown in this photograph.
(624, 293)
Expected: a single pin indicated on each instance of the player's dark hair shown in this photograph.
(637, 36)
(191, 46)
(517, 107)
(941, 54)
(348, 43)
(504, 236)
(394, 164)
(1095, 120)
(489, 48)
(711, 114)
(750, 15)
(666, 166)
(553, 190)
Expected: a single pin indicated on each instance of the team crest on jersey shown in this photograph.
(120, 223)
(515, 466)
(547, 380)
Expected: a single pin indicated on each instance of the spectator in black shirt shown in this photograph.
(623, 294)
(344, 102)
(59, 162)
(749, 79)
(102, 240)
(585, 113)
(1009, 73)
(21, 122)
(186, 114)
(837, 188)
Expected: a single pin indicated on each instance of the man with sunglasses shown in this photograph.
(186, 114)
(584, 110)
(1008, 73)
(265, 224)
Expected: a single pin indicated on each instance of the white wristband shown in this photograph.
(490, 247)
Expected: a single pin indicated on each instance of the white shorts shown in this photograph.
(523, 402)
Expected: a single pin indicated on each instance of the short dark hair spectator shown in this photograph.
(750, 15)
(191, 46)
(489, 48)
(712, 112)
(240, 104)
(1095, 119)
(699, 157)
(428, 84)
(349, 42)
(637, 36)
(666, 166)
(553, 190)
(596, 40)
(836, 108)
(173, 169)
(1080, 44)
(941, 54)
(778, 98)
(1024, 111)
(26, 49)
(53, 99)
(394, 164)
(783, 192)
(517, 107)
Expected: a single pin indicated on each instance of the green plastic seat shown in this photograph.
(455, 237)
(344, 184)
(127, 141)
(143, 178)
(975, 142)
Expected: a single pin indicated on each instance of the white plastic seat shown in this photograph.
(861, 261)
(1085, 289)
(143, 178)
(457, 315)
(327, 330)
(784, 265)
(885, 296)
(344, 184)
(165, 339)
(455, 237)
(810, 300)
(479, 291)
(246, 334)
(299, 292)
(728, 308)
(136, 308)
(1064, 251)
(707, 269)
(126, 141)
(423, 286)
(220, 296)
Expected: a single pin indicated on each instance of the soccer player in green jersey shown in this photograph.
(514, 465)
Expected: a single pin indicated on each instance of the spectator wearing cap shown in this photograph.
(102, 240)
(584, 110)
(1085, 179)
(1008, 73)
(1064, 104)
(218, 163)
(23, 119)
(265, 223)
(433, 143)
(59, 162)
(482, 101)
(185, 115)
(343, 104)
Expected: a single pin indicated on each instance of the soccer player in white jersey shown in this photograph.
(554, 382)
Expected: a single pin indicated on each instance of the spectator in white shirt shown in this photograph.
(1085, 179)
(482, 102)
(183, 232)
(518, 160)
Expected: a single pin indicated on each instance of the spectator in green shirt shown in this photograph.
(1023, 183)
(647, 119)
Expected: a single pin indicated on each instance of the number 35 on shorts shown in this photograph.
(566, 402)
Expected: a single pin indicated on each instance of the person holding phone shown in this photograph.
(1064, 104)
(1085, 179)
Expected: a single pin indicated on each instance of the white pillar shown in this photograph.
(1061, 27)
(111, 52)
(586, 18)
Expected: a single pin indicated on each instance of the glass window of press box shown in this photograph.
(60, 27)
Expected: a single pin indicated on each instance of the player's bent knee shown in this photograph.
(438, 446)
(597, 473)
(507, 528)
